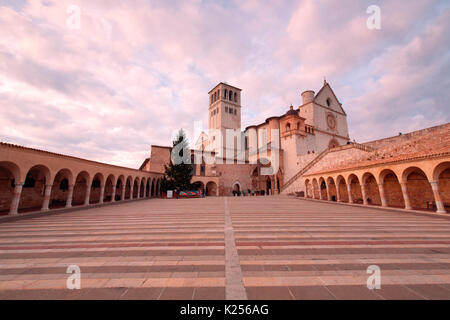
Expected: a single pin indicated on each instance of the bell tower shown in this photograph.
(224, 110)
(225, 107)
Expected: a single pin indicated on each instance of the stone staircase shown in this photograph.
(319, 157)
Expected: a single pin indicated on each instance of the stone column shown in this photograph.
(364, 195)
(382, 195)
(113, 199)
(328, 193)
(338, 194)
(69, 196)
(47, 193)
(276, 185)
(13, 209)
(131, 191)
(405, 196)
(88, 194)
(437, 197)
(102, 193)
(122, 196)
(320, 193)
(349, 191)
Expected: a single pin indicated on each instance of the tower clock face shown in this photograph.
(331, 121)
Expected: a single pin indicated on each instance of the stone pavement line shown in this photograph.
(234, 283)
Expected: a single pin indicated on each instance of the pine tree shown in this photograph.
(178, 173)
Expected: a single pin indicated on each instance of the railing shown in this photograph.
(304, 169)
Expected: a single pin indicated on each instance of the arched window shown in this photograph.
(225, 94)
(298, 125)
(212, 99)
(328, 101)
(235, 97)
(230, 95)
(288, 127)
(218, 93)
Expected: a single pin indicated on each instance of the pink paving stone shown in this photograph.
(287, 248)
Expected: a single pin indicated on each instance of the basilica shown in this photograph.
(284, 143)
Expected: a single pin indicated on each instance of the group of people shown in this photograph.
(237, 193)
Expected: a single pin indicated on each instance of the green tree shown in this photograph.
(178, 173)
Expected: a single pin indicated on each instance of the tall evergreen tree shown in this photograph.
(178, 173)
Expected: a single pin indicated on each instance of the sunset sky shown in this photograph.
(136, 71)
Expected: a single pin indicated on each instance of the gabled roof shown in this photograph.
(326, 84)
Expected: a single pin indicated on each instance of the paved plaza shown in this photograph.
(235, 248)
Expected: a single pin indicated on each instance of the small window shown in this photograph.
(13, 183)
(226, 109)
(235, 97)
(231, 110)
(235, 112)
(230, 95)
(328, 102)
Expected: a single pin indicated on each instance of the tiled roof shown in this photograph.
(426, 143)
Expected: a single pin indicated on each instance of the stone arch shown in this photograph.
(200, 185)
(331, 186)
(370, 185)
(418, 188)
(109, 188)
(441, 177)
(236, 189)
(59, 195)
(147, 188)
(136, 187)
(342, 188)
(36, 189)
(438, 169)
(97, 185)
(128, 188)
(211, 189)
(9, 178)
(142, 188)
(120, 184)
(355, 188)
(80, 188)
(316, 190)
(392, 188)
(323, 189)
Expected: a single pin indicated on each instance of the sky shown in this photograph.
(131, 73)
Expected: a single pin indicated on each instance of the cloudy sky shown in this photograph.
(136, 71)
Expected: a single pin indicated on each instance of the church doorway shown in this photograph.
(268, 186)
(236, 189)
